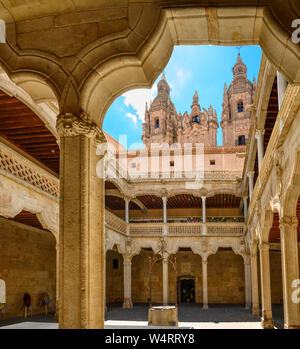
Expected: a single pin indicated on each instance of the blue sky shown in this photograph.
(201, 68)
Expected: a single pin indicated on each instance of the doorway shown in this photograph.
(187, 290)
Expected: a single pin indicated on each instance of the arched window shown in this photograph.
(156, 123)
(2, 292)
(241, 140)
(196, 119)
(240, 107)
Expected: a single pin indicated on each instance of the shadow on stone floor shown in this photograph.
(195, 313)
(35, 318)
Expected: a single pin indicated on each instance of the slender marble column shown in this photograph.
(254, 279)
(282, 84)
(204, 214)
(165, 278)
(57, 282)
(266, 321)
(250, 174)
(247, 282)
(245, 198)
(290, 270)
(204, 278)
(165, 200)
(127, 281)
(127, 202)
(259, 135)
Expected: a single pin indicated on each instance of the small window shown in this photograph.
(157, 123)
(240, 107)
(172, 164)
(115, 264)
(196, 119)
(212, 162)
(241, 140)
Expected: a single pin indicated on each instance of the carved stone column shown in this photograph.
(247, 282)
(165, 200)
(165, 263)
(254, 280)
(204, 280)
(250, 174)
(127, 281)
(81, 236)
(204, 214)
(259, 135)
(290, 270)
(281, 87)
(266, 321)
(57, 282)
(245, 198)
(127, 202)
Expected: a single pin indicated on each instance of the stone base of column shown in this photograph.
(255, 311)
(267, 324)
(56, 313)
(247, 306)
(127, 303)
(205, 306)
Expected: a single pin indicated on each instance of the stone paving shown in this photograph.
(190, 316)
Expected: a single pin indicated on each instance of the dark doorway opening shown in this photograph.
(187, 290)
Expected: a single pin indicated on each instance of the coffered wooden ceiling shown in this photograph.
(22, 127)
(28, 218)
(117, 203)
(190, 201)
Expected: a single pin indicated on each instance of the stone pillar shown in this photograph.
(127, 202)
(165, 200)
(247, 267)
(204, 214)
(259, 135)
(250, 174)
(281, 87)
(266, 321)
(204, 278)
(245, 198)
(57, 282)
(165, 278)
(290, 270)
(254, 280)
(127, 281)
(81, 231)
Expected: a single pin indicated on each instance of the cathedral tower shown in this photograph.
(160, 119)
(235, 119)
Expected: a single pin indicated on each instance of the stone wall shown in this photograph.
(27, 265)
(114, 278)
(226, 278)
(276, 276)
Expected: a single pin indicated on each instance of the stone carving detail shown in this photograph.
(289, 222)
(73, 125)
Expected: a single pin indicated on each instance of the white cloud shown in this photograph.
(137, 100)
(132, 117)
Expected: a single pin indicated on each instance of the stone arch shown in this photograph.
(139, 69)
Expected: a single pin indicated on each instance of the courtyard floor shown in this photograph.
(190, 316)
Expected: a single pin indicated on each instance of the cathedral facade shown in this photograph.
(164, 125)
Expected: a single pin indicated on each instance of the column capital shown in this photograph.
(288, 222)
(264, 246)
(204, 260)
(245, 196)
(78, 124)
(250, 174)
(203, 198)
(127, 259)
(259, 133)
